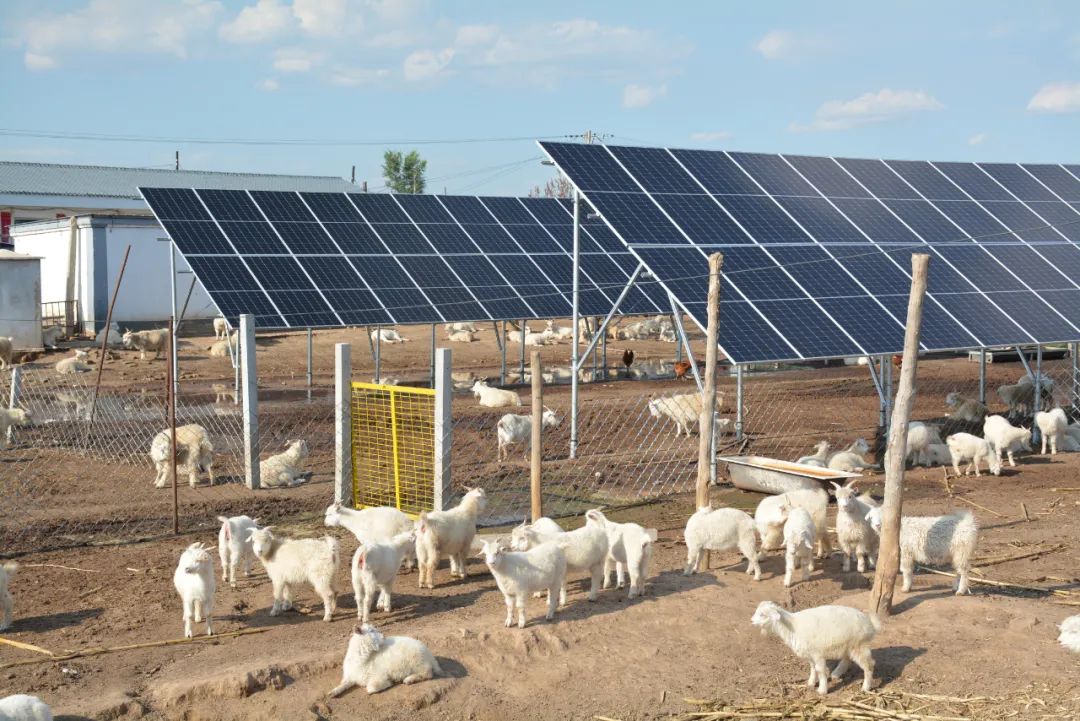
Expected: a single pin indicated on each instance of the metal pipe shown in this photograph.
(521, 367)
(378, 354)
(501, 340)
(574, 341)
(105, 342)
(603, 349)
(678, 347)
(1036, 434)
(432, 355)
(889, 368)
(1075, 375)
(309, 363)
(1024, 361)
(173, 359)
(878, 376)
(595, 353)
(171, 393)
(982, 376)
(738, 402)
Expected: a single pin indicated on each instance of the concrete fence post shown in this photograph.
(343, 424)
(249, 381)
(444, 426)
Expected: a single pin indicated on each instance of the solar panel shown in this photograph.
(817, 249)
(299, 260)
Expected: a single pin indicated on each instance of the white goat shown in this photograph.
(526, 535)
(49, 337)
(937, 454)
(285, 469)
(1004, 436)
(560, 333)
(223, 393)
(684, 409)
(221, 348)
(769, 519)
(194, 452)
(388, 335)
(969, 410)
(451, 327)
(12, 417)
(819, 457)
(234, 546)
(799, 539)
(630, 549)
(74, 364)
(820, 633)
(1052, 425)
(221, 328)
(371, 525)
(521, 573)
(967, 447)
(22, 707)
(920, 437)
(448, 533)
(853, 532)
(851, 458)
(374, 566)
(1070, 633)
(291, 561)
(721, 529)
(7, 571)
(494, 397)
(115, 339)
(146, 340)
(461, 336)
(513, 429)
(377, 662)
(194, 581)
(7, 347)
(935, 540)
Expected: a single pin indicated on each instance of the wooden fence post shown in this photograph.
(708, 400)
(888, 562)
(537, 436)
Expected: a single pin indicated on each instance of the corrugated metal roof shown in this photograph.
(112, 182)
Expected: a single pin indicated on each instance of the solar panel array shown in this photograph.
(302, 259)
(816, 249)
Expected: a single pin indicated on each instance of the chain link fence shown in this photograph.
(66, 482)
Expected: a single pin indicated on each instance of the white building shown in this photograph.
(80, 219)
(20, 299)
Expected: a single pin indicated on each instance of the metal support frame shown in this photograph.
(444, 427)
(574, 363)
(432, 376)
(378, 354)
(677, 317)
(1036, 434)
(1024, 362)
(521, 366)
(1075, 348)
(678, 346)
(175, 359)
(601, 332)
(343, 423)
(982, 376)
(309, 343)
(889, 368)
(878, 376)
(500, 343)
(739, 402)
(251, 401)
(371, 341)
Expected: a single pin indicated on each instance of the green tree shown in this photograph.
(404, 173)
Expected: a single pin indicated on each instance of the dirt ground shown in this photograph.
(687, 637)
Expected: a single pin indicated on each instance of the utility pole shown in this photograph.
(353, 178)
(177, 160)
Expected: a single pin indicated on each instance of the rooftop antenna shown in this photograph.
(177, 160)
(353, 181)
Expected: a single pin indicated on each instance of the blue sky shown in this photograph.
(940, 80)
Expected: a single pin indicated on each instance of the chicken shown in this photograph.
(682, 368)
(628, 359)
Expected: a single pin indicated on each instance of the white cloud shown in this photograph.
(296, 60)
(639, 96)
(710, 136)
(1056, 98)
(869, 108)
(257, 23)
(354, 77)
(115, 26)
(473, 35)
(425, 64)
(268, 84)
(396, 11)
(978, 138)
(787, 45)
(325, 17)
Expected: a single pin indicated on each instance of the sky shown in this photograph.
(344, 80)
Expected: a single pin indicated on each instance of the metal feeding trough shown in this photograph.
(769, 475)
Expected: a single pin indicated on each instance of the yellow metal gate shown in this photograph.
(393, 447)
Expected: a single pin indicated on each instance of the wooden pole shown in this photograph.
(708, 399)
(537, 435)
(105, 341)
(888, 562)
(171, 395)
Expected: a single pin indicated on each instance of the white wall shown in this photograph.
(20, 302)
(100, 245)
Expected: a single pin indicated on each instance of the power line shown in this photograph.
(303, 142)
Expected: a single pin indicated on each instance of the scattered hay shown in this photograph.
(1041, 702)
